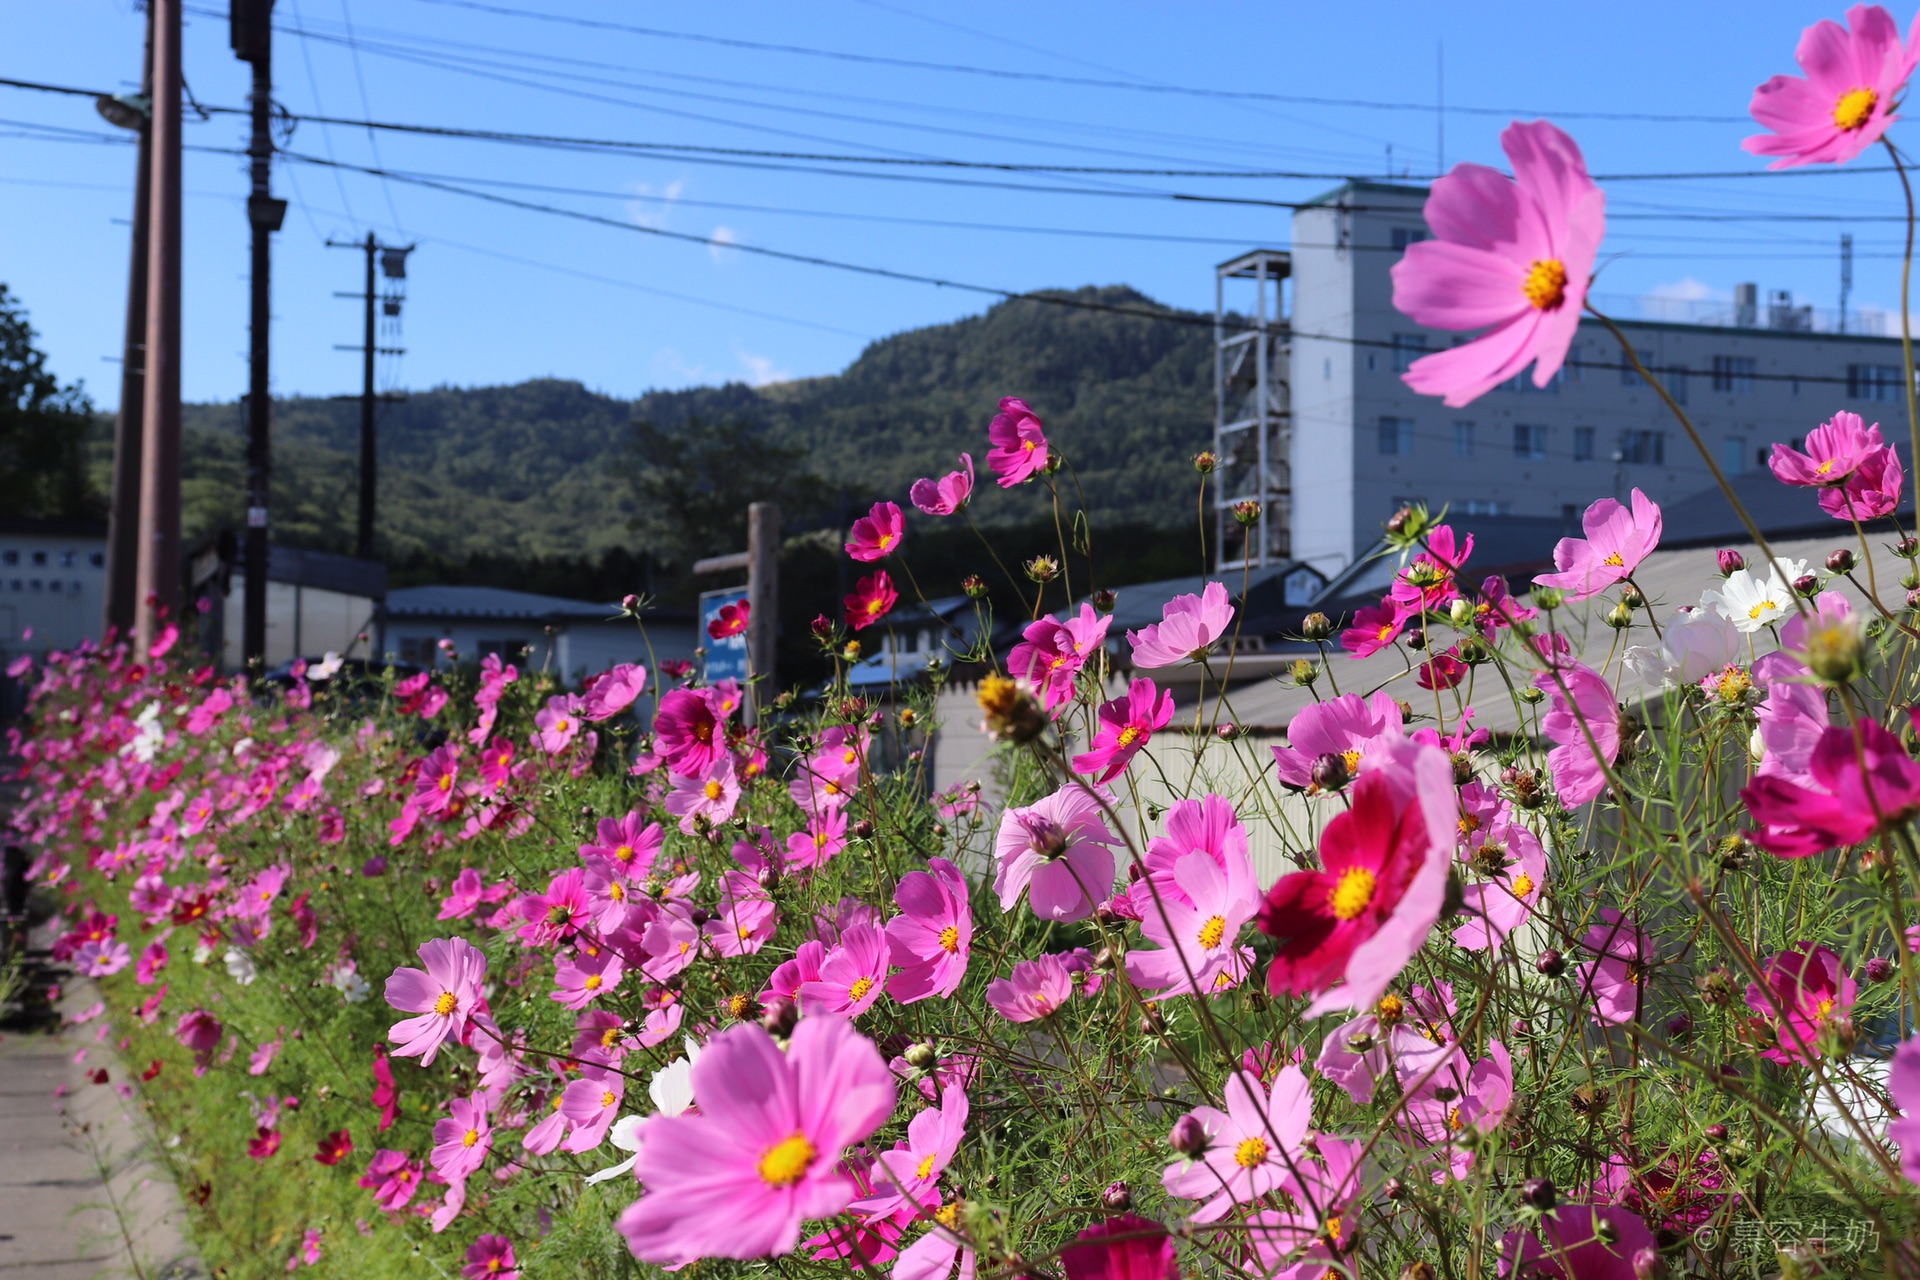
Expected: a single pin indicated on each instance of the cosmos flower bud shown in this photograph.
(920, 1056)
(1715, 1133)
(1104, 599)
(1316, 627)
(1807, 585)
(1117, 1198)
(1836, 649)
(1330, 772)
(974, 586)
(1840, 561)
(1878, 969)
(1551, 963)
(1205, 461)
(630, 603)
(780, 1017)
(1548, 597)
(1399, 520)
(1907, 548)
(1189, 1137)
(1649, 1265)
(1247, 513)
(1620, 617)
(1539, 1193)
(1303, 672)
(1731, 561)
(1043, 568)
(821, 626)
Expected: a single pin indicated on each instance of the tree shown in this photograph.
(692, 484)
(43, 428)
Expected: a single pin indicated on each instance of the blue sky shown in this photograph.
(500, 294)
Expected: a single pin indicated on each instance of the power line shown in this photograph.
(1007, 73)
(373, 139)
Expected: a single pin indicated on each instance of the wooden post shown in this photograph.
(763, 596)
(157, 576)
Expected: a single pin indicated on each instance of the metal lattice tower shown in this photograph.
(1252, 412)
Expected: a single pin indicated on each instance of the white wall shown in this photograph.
(53, 584)
(302, 622)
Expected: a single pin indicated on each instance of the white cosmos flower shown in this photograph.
(672, 1092)
(240, 966)
(1750, 604)
(1695, 642)
(326, 668)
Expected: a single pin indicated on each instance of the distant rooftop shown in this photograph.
(492, 602)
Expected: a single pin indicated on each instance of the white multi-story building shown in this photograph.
(1362, 444)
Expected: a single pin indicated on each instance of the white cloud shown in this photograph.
(653, 204)
(717, 244)
(1687, 290)
(672, 370)
(761, 370)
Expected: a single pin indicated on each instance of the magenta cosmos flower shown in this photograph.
(1253, 1148)
(1374, 628)
(872, 599)
(1903, 1086)
(1872, 491)
(1197, 929)
(445, 996)
(1034, 991)
(1019, 443)
(932, 936)
(1807, 991)
(610, 693)
(1189, 627)
(1615, 980)
(462, 1140)
(1432, 578)
(1346, 931)
(731, 620)
(1855, 76)
(1617, 540)
(1059, 850)
(1050, 654)
(1585, 720)
(1122, 1248)
(1846, 804)
(1834, 450)
(763, 1152)
(689, 732)
(877, 534)
(947, 495)
(1580, 1242)
(852, 976)
(1126, 724)
(491, 1258)
(1512, 256)
(1344, 726)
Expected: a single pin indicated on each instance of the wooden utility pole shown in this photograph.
(763, 595)
(393, 261)
(252, 38)
(157, 580)
(123, 517)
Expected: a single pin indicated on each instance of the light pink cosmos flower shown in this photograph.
(1036, 989)
(97, 959)
(1019, 443)
(1198, 930)
(199, 1032)
(1345, 726)
(590, 1105)
(1050, 654)
(1188, 629)
(712, 796)
(1407, 1038)
(558, 723)
(586, 976)
(1855, 76)
(1506, 866)
(445, 996)
(436, 785)
(764, 1151)
(611, 692)
(932, 937)
(1579, 774)
(1453, 1100)
(823, 836)
(877, 534)
(1511, 256)
(1617, 541)
(910, 1172)
(1903, 1086)
(933, 1255)
(1614, 981)
(947, 495)
(1791, 719)
(1858, 787)
(746, 918)
(852, 976)
(1059, 850)
(1808, 991)
(1346, 931)
(1833, 451)
(462, 1140)
(1253, 1147)
(1126, 725)
(1311, 1240)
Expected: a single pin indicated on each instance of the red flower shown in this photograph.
(153, 1070)
(732, 620)
(264, 1143)
(333, 1146)
(386, 1095)
(872, 599)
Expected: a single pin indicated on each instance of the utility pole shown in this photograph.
(157, 578)
(1846, 276)
(123, 518)
(393, 262)
(252, 38)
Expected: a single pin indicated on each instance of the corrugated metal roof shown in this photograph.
(491, 602)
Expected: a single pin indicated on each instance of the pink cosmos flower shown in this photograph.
(558, 914)
(1791, 719)
(1855, 76)
(199, 1032)
(1431, 579)
(1834, 450)
(763, 1153)
(823, 836)
(1122, 1248)
(386, 1095)
(1058, 849)
(558, 723)
(934, 1255)
(1345, 932)
(462, 1140)
(1511, 256)
(932, 936)
(445, 996)
(1808, 990)
(947, 495)
(1310, 1240)
(152, 960)
(852, 976)
(1035, 990)
(1617, 541)
(1615, 980)
(393, 1177)
(1506, 866)
(100, 959)
(689, 732)
(1253, 1147)
(712, 797)
(1408, 1038)
(260, 1061)
(1871, 492)
(1374, 628)
(872, 599)
(1903, 1086)
(1189, 627)
(1579, 1242)
(1454, 1100)
(876, 535)
(435, 786)
(910, 1172)
(1019, 443)
(1845, 804)
(731, 620)
(1197, 930)
(491, 1258)
(1585, 718)
(629, 843)
(585, 977)
(1126, 725)
(1443, 670)
(1050, 654)
(590, 1105)
(607, 695)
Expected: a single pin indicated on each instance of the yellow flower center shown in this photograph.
(1822, 1009)
(1825, 467)
(1453, 1119)
(1390, 1010)
(470, 1137)
(1128, 736)
(787, 1161)
(609, 1036)
(886, 540)
(1352, 760)
(1613, 558)
(1758, 610)
(876, 606)
(1251, 1153)
(833, 788)
(1212, 931)
(713, 790)
(1027, 445)
(561, 726)
(592, 983)
(1334, 1227)
(446, 782)
(446, 1004)
(1854, 108)
(624, 853)
(924, 1169)
(1546, 283)
(950, 939)
(739, 1003)
(1522, 885)
(493, 1265)
(860, 988)
(1353, 893)
(606, 1098)
(820, 840)
(947, 1215)
(1469, 823)
(1386, 631)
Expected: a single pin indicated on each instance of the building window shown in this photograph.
(1880, 382)
(1371, 365)
(39, 558)
(1644, 448)
(1733, 455)
(1570, 514)
(1404, 236)
(1583, 444)
(98, 559)
(1407, 347)
(9, 557)
(1529, 443)
(66, 559)
(1463, 439)
(1486, 507)
(1676, 377)
(1732, 374)
(1396, 436)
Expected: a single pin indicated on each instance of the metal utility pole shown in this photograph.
(393, 263)
(1846, 276)
(123, 518)
(157, 579)
(252, 38)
